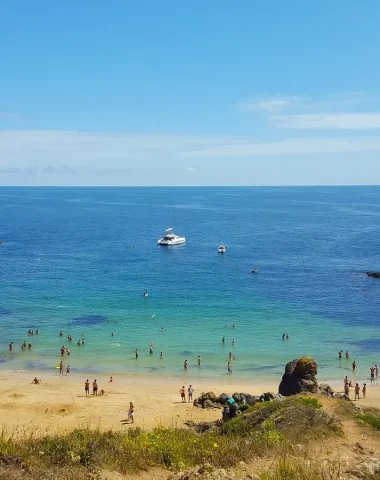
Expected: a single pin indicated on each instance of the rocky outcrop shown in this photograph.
(299, 377)
(373, 274)
(210, 400)
(325, 389)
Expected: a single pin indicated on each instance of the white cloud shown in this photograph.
(328, 121)
(272, 104)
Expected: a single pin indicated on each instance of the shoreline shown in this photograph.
(59, 404)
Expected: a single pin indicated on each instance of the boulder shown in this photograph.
(299, 377)
(373, 274)
(246, 398)
(207, 400)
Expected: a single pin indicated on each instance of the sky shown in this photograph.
(203, 92)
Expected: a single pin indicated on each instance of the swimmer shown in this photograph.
(353, 365)
(137, 353)
(230, 356)
(146, 293)
(68, 351)
(30, 346)
(340, 354)
(83, 342)
(199, 360)
(233, 341)
(234, 325)
(283, 336)
(79, 342)
(287, 337)
(61, 333)
(151, 350)
(185, 365)
(112, 334)
(347, 354)
(37, 332)
(162, 329)
(224, 340)
(11, 346)
(161, 355)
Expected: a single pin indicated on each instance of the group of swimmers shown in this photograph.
(31, 332)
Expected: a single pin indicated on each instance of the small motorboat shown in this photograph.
(222, 249)
(255, 270)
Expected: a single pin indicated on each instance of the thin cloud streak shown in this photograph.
(328, 121)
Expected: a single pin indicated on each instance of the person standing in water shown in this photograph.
(146, 293)
(372, 377)
(61, 368)
(353, 365)
(229, 368)
(224, 340)
(233, 342)
(137, 353)
(199, 360)
(185, 365)
(161, 356)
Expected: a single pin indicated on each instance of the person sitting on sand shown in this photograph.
(131, 412)
(102, 392)
(36, 381)
(111, 379)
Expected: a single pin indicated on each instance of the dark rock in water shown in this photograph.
(299, 377)
(5, 311)
(373, 274)
(89, 320)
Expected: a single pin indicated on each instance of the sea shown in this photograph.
(78, 260)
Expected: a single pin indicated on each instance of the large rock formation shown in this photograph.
(299, 377)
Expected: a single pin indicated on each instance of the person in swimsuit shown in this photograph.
(190, 391)
(61, 368)
(185, 365)
(353, 365)
(137, 353)
(95, 388)
(111, 379)
(87, 387)
(199, 360)
(224, 340)
(131, 412)
(36, 381)
(372, 377)
(183, 394)
(347, 354)
(11, 346)
(357, 392)
(229, 368)
(68, 370)
(340, 354)
(161, 356)
(364, 390)
(233, 342)
(376, 371)
(347, 389)
(151, 350)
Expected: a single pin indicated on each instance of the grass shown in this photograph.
(296, 469)
(371, 419)
(263, 430)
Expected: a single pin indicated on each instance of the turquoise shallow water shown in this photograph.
(74, 259)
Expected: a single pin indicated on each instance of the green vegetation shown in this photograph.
(266, 429)
(371, 419)
(294, 469)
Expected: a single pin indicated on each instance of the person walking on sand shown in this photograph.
(357, 392)
(372, 376)
(347, 390)
(131, 412)
(87, 388)
(190, 391)
(183, 394)
(95, 388)
(61, 367)
(68, 369)
(185, 365)
(376, 371)
(364, 390)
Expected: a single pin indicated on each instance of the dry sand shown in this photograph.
(60, 405)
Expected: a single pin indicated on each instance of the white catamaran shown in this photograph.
(170, 239)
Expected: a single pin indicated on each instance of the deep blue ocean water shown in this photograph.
(74, 259)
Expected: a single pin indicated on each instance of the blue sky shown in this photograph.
(206, 92)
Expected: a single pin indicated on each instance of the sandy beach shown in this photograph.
(60, 404)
